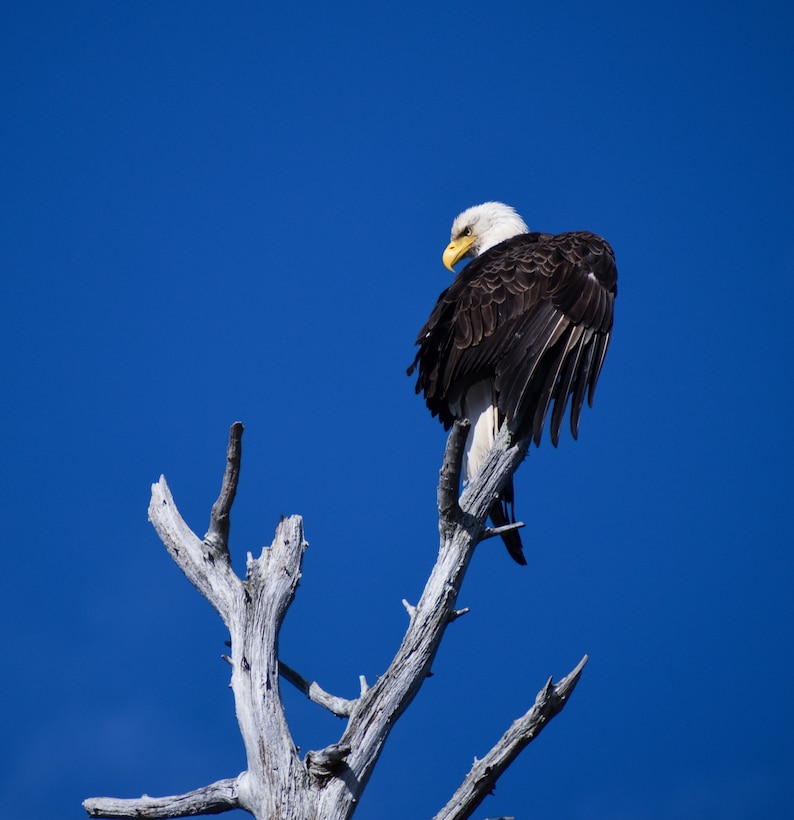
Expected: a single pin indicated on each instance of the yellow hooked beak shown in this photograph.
(456, 250)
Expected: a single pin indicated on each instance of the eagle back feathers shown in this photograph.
(535, 314)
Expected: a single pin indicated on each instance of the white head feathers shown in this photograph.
(490, 224)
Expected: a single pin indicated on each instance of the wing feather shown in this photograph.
(565, 375)
(579, 388)
(600, 352)
(535, 314)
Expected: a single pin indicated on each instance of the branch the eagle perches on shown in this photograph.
(327, 784)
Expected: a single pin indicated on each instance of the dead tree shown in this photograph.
(327, 784)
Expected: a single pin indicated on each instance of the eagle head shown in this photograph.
(479, 228)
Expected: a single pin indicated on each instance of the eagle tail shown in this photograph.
(501, 514)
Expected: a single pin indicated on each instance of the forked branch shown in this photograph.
(327, 784)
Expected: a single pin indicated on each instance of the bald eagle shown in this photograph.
(527, 321)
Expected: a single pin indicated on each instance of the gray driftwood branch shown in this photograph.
(482, 777)
(213, 799)
(328, 783)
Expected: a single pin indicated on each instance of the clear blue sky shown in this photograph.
(214, 212)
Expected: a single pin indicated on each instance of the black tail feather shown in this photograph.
(502, 513)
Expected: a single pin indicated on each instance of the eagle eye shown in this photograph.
(467, 232)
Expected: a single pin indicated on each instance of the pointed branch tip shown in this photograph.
(217, 537)
(490, 532)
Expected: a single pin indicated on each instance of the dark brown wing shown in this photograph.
(535, 314)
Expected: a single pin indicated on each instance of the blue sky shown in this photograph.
(214, 212)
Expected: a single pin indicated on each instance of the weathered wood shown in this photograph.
(220, 515)
(481, 779)
(207, 569)
(328, 784)
(276, 783)
(213, 799)
(315, 693)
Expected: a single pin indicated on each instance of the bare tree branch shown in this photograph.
(214, 579)
(506, 455)
(481, 779)
(218, 533)
(460, 528)
(315, 693)
(328, 783)
(213, 799)
(276, 779)
(449, 476)
(490, 532)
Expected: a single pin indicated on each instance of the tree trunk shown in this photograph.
(327, 784)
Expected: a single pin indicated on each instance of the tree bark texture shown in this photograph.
(327, 784)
